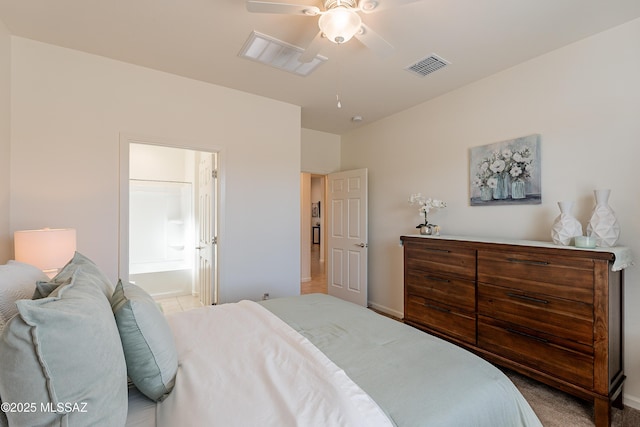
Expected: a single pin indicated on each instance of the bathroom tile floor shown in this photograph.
(176, 304)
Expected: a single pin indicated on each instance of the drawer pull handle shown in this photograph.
(527, 298)
(524, 334)
(528, 261)
(437, 279)
(435, 307)
(437, 250)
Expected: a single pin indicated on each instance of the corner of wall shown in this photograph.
(319, 152)
(5, 142)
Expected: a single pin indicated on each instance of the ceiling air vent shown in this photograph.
(276, 53)
(427, 65)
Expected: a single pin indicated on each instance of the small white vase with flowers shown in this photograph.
(425, 205)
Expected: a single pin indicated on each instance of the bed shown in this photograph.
(306, 361)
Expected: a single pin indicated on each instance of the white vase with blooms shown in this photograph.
(426, 204)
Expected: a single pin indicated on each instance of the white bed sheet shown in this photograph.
(240, 365)
(141, 411)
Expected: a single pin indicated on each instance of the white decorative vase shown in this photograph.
(566, 226)
(603, 224)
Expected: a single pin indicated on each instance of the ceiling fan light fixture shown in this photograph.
(340, 24)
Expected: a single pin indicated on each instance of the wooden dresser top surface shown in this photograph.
(621, 256)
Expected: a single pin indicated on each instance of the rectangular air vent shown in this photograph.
(427, 65)
(276, 53)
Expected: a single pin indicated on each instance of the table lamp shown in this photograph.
(49, 249)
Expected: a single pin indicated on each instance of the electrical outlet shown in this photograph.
(265, 296)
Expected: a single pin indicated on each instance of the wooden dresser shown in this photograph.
(549, 312)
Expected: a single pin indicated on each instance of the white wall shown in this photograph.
(69, 108)
(583, 99)
(5, 141)
(160, 163)
(320, 152)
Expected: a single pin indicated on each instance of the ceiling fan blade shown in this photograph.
(284, 8)
(313, 49)
(373, 41)
(370, 6)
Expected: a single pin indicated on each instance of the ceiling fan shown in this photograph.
(339, 22)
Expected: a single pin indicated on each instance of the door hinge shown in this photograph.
(214, 173)
(214, 241)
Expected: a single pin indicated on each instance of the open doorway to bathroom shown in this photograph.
(172, 222)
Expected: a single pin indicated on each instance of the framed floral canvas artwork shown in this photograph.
(506, 172)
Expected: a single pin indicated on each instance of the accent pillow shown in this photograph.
(64, 351)
(89, 267)
(44, 289)
(3, 418)
(17, 281)
(149, 348)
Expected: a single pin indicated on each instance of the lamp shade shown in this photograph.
(340, 24)
(49, 249)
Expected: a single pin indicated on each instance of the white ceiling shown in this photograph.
(201, 39)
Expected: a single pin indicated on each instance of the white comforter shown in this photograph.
(240, 365)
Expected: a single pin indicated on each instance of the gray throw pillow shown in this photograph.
(17, 281)
(149, 347)
(63, 353)
(99, 279)
(3, 418)
(44, 289)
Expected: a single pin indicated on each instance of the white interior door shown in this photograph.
(347, 236)
(206, 229)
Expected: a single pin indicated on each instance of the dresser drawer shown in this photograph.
(563, 277)
(565, 319)
(523, 346)
(442, 257)
(440, 318)
(448, 290)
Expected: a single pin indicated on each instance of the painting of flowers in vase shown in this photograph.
(506, 172)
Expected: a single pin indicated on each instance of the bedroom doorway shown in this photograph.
(171, 221)
(313, 234)
(339, 207)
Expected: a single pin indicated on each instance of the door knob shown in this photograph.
(362, 245)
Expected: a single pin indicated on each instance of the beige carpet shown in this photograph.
(558, 409)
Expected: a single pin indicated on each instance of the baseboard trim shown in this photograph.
(631, 401)
(386, 310)
(170, 294)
